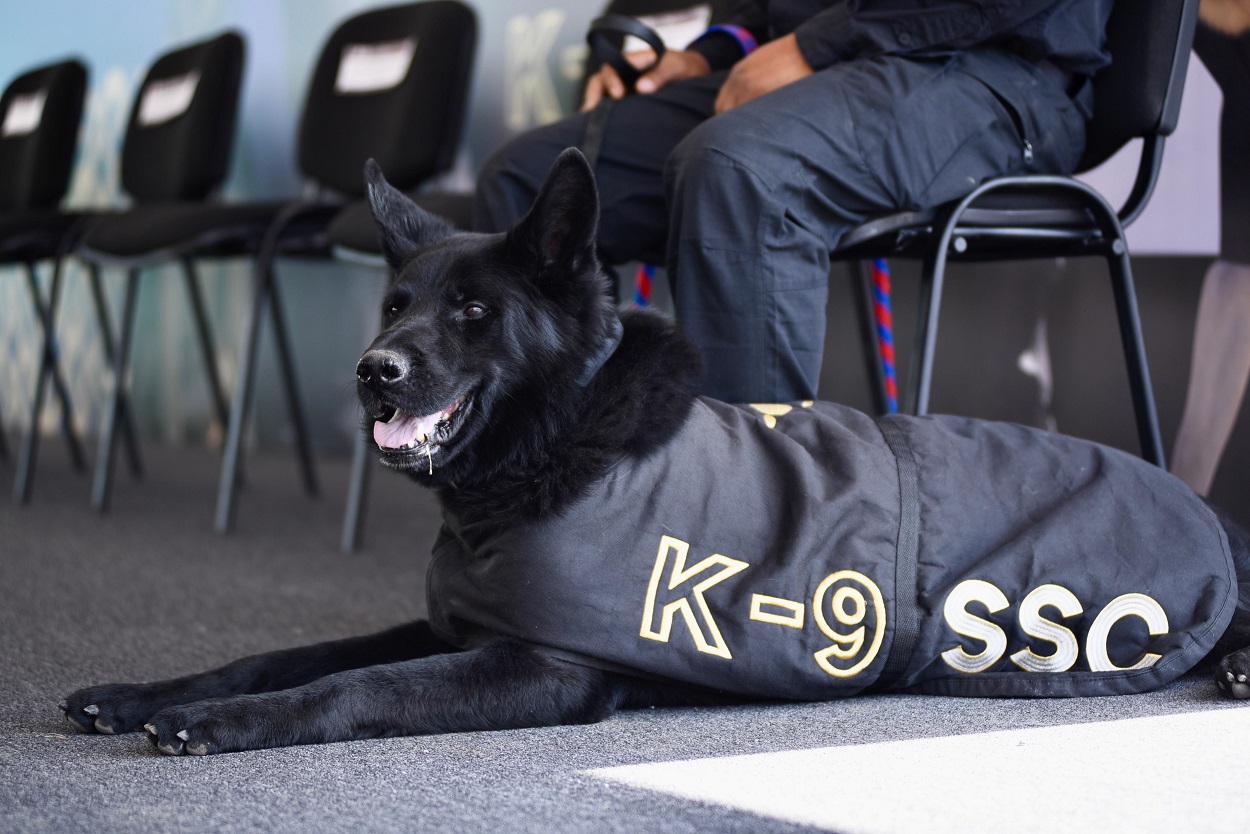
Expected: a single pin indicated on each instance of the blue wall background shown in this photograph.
(529, 54)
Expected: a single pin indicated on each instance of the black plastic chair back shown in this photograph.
(181, 127)
(391, 84)
(1139, 94)
(39, 116)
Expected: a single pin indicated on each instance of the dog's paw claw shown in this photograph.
(170, 749)
(64, 705)
(183, 734)
(91, 709)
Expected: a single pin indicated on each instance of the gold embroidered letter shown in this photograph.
(698, 618)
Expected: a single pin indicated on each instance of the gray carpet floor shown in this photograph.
(148, 591)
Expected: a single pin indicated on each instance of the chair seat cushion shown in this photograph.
(1029, 209)
(159, 230)
(33, 235)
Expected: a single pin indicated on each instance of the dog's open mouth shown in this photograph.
(399, 433)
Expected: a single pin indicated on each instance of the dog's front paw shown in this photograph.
(220, 725)
(112, 708)
(1233, 674)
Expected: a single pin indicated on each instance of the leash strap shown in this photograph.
(885, 331)
(606, 38)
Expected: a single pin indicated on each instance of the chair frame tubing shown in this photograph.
(49, 367)
(117, 413)
(266, 301)
(1110, 244)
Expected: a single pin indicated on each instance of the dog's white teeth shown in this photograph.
(396, 416)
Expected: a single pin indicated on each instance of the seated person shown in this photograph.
(743, 159)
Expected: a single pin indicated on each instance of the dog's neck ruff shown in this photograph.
(607, 347)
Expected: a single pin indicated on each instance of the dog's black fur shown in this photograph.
(509, 329)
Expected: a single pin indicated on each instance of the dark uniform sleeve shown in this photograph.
(881, 27)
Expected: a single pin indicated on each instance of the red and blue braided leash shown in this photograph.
(885, 330)
(643, 279)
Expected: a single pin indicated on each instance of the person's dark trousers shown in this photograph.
(744, 208)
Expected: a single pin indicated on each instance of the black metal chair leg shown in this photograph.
(49, 368)
(357, 494)
(920, 375)
(1135, 354)
(295, 407)
(22, 483)
(207, 348)
(240, 403)
(129, 438)
(101, 493)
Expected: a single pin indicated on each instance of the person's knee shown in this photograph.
(500, 187)
(701, 158)
(723, 158)
(509, 179)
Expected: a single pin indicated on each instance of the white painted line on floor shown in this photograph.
(1166, 774)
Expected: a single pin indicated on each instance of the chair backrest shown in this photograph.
(39, 116)
(181, 127)
(1139, 94)
(391, 84)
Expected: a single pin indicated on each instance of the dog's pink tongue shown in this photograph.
(404, 429)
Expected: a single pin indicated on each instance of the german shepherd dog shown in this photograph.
(505, 381)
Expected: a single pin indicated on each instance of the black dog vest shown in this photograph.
(812, 552)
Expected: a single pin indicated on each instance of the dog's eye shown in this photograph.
(473, 311)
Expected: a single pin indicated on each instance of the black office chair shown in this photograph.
(39, 117)
(1025, 217)
(175, 155)
(374, 93)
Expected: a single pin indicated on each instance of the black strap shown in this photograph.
(611, 341)
(592, 134)
(608, 48)
(906, 615)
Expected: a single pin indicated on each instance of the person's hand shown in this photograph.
(675, 65)
(773, 65)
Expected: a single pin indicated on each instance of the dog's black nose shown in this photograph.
(382, 367)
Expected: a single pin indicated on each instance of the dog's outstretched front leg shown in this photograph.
(499, 686)
(125, 707)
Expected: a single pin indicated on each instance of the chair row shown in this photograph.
(390, 84)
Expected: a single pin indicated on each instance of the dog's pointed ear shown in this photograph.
(560, 228)
(403, 226)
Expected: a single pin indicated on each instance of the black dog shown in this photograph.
(590, 499)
